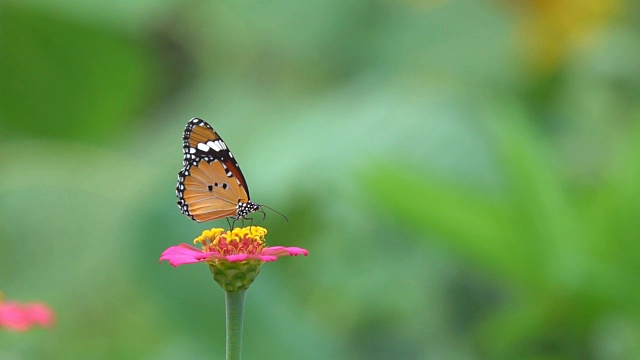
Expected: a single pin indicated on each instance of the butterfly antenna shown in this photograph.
(277, 212)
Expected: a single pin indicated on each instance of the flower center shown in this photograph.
(248, 240)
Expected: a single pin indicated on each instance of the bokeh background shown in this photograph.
(464, 173)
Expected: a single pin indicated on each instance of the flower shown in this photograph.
(234, 257)
(551, 31)
(20, 317)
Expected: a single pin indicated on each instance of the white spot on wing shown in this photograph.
(217, 145)
(203, 147)
(214, 145)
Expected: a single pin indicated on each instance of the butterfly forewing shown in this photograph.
(210, 185)
(200, 140)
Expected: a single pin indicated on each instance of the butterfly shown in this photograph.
(211, 185)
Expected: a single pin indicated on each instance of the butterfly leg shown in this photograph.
(250, 222)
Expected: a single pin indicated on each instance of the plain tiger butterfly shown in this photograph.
(211, 185)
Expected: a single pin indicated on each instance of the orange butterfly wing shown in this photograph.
(210, 185)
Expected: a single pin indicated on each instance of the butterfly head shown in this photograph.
(246, 208)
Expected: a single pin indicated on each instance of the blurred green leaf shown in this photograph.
(60, 79)
(477, 224)
(531, 232)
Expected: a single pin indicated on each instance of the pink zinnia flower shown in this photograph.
(241, 250)
(20, 317)
(232, 246)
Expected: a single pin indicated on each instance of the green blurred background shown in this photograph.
(464, 173)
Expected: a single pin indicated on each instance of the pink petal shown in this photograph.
(245, 257)
(285, 251)
(267, 258)
(12, 317)
(39, 314)
(237, 257)
(184, 254)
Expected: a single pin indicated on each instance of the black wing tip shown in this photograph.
(196, 121)
(188, 129)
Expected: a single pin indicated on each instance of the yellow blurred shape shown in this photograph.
(549, 30)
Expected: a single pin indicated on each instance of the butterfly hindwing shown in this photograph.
(210, 193)
(210, 185)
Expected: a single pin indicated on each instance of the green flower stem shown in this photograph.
(235, 311)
